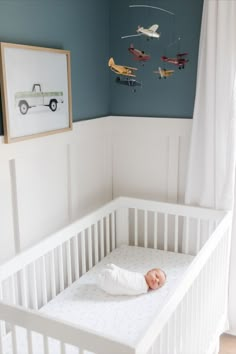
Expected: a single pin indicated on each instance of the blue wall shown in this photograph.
(81, 26)
(173, 97)
(92, 30)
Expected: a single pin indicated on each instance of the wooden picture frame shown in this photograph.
(35, 90)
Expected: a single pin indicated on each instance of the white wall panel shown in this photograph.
(91, 167)
(47, 182)
(150, 157)
(184, 144)
(7, 245)
(140, 168)
(41, 193)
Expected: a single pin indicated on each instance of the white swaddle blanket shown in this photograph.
(118, 281)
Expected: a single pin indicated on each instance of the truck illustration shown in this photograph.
(28, 99)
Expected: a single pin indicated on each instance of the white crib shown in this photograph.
(189, 323)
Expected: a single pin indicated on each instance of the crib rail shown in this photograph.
(64, 333)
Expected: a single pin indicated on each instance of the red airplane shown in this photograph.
(180, 61)
(139, 55)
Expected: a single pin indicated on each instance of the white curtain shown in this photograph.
(211, 170)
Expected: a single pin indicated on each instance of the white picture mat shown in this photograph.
(24, 68)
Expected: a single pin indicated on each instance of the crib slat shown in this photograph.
(52, 273)
(68, 263)
(45, 344)
(161, 343)
(211, 287)
(174, 324)
(13, 288)
(187, 316)
(61, 268)
(44, 281)
(90, 251)
(34, 287)
(166, 232)
(136, 227)
(76, 255)
(186, 249)
(2, 323)
(192, 312)
(23, 282)
(13, 339)
(195, 315)
(113, 241)
(2, 329)
(198, 235)
(102, 238)
(168, 339)
(23, 288)
(205, 285)
(155, 229)
(202, 302)
(83, 254)
(29, 342)
(62, 348)
(209, 228)
(176, 233)
(107, 235)
(96, 242)
(145, 229)
(1, 344)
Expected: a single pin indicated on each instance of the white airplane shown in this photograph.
(149, 32)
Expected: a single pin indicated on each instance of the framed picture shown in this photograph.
(36, 91)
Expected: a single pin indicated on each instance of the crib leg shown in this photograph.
(217, 346)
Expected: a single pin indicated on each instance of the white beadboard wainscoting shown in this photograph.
(47, 182)
(150, 157)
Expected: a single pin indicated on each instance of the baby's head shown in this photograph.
(155, 278)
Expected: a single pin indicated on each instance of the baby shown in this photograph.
(118, 281)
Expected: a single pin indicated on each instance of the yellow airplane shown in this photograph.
(163, 73)
(121, 69)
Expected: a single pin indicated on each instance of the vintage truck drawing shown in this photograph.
(28, 99)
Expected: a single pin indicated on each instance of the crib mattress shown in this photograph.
(124, 318)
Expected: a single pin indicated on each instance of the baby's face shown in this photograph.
(155, 278)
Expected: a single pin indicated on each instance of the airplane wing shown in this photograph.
(181, 54)
(116, 71)
(128, 67)
(132, 35)
(125, 74)
(154, 28)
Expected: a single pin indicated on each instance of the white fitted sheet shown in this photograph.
(125, 318)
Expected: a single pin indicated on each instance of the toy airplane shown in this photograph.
(150, 32)
(163, 73)
(139, 55)
(180, 61)
(128, 82)
(121, 69)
